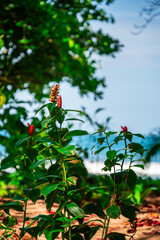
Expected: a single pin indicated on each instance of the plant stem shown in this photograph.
(125, 141)
(114, 179)
(69, 227)
(126, 177)
(3, 237)
(64, 180)
(24, 220)
(108, 220)
(104, 224)
(64, 173)
(128, 173)
(113, 167)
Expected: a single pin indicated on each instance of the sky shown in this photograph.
(133, 78)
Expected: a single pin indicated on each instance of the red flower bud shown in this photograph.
(31, 129)
(59, 103)
(125, 129)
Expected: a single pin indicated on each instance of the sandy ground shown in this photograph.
(148, 222)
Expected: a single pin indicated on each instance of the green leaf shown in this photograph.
(43, 106)
(136, 147)
(103, 201)
(100, 150)
(68, 151)
(45, 221)
(1, 43)
(34, 194)
(9, 221)
(51, 234)
(139, 135)
(101, 140)
(44, 139)
(111, 154)
(75, 210)
(74, 133)
(72, 110)
(55, 169)
(33, 231)
(38, 163)
(62, 219)
(113, 211)
(8, 162)
(71, 42)
(12, 205)
(77, 198)
(118, 138)
(99, 110)
(46, 121)
(108, 165)
(121, 176)
(90, 232)
(139, 165)
(126, 201)
(77, 237)
(50, 199)
(6, 228)
(132, 179)
(32, 153)
(146, 193)
(74, 119)
(47, 218)
(129, 136)
(92, 208)
(51, 106)
(94, 230)
(48, 189)
(70, 179)
(129, 211)
(108, 134)
(61, 206)
(116, 236)
(23, 140)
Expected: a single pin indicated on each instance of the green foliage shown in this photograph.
(140, 193)
(42, 42)
(124, 179)
(113, 211)
(49, 41)
(11, 205)
(64, 182)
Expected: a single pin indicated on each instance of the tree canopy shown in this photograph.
(43, 41)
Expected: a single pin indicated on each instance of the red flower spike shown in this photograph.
(31, 129)
(125, 129)
(59, 103)
(54, 93)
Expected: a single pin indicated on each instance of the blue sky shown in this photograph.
(133, 78)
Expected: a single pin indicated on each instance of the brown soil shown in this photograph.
(148, 221)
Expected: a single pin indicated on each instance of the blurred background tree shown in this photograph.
(148, 13)
(48, 41)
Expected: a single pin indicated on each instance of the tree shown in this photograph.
(151, 11)
(44, 41)
(154, 147)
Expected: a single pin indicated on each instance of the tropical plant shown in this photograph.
(140, 193)
(63, 182)
(43, 42)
